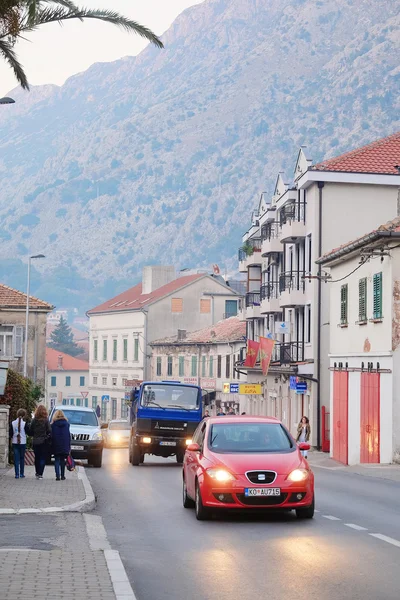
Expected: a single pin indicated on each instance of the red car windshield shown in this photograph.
(249, 437)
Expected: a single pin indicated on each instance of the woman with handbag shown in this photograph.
(61, 441)
(41, 438)
(303, 433)
(18, 440)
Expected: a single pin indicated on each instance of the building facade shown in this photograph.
(122, 328)
(67, 379)
(324, 206)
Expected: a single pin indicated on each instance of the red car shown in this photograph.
(246, 463)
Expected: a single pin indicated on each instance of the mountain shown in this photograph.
(160, 158)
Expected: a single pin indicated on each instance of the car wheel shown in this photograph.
(179, 457)
(307, 512)
(187, 502)
(96, 460)
(135, 456)
(202, 514)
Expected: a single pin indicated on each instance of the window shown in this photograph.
(95, 380)
(362, 299)
(94, 402)
(113, 408)
(181, 366)
(205, 305)
(211, 366)
(176, 305)
(308, 324)
(250, 437)
(124, 380)
(169, 366)
(230, 308)
(124, 409)
(136, 349)
(95, 349)
(203, 366)
(104, 349)
(103, 413)
(114, 380)
(343, 304)
(67, 381)
(115, 349)
(104, 380)
(53, 381)
(78, 401)
(11, 339)
(219, 366)
(194, 366)
(159, 365)
(228, 367)
(86, 403)
(125, 345)
(82, 381)
(377, 289)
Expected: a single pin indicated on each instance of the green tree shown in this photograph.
(20, 392)
(18, 17)
(62, 339)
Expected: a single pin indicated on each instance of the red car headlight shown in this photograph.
(298, 475)
(221, 475)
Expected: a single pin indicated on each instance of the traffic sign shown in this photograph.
(301, 387)
(105, 398)
(234, 388)
(293, 382)
(282, 327)
(84, 394)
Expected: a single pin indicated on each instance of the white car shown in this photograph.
(117, 434)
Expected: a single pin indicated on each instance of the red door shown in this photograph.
(369, 418)
(340, 415)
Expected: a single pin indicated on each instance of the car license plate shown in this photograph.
(167, 443)
(262, 491)
(77, 447)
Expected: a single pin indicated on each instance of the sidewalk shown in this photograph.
(323, 461)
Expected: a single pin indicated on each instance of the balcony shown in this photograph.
(270, 239)
(270, 298)
(253, 309)
(250, 254)
(292, 287)
(292, 221)
(286, 353)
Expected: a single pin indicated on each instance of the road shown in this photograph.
(169, 555)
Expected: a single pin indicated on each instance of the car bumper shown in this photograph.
(86, 449)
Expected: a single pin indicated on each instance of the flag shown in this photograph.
(252, 353)
(266, 348)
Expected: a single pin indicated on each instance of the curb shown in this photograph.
(85, 505)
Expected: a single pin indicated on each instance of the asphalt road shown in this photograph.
(169, 555)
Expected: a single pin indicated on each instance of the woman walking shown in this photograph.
(61, 441)
(41, 437)
(18, 440)
(303, 433)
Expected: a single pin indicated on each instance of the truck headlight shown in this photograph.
(97, 436)
(146, 440)
(188, 442)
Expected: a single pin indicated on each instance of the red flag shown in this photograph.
(252, 353)
(266, 348)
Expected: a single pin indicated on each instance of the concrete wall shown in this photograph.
(4, 411)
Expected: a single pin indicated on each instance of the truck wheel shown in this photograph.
(130, 452)
(180, 456)
(96, 459)
(135, 456)
(141, 459)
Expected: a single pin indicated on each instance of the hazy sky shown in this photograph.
(53, 53)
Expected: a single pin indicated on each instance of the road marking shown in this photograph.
(316, 510)
(385, 538)
(96, 532)
(356, 527)
(331, 518)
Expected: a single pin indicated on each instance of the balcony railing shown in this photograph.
(270, 290)
(291, 281)
(252, 299)
(270, 231)
(249, 247)
(292, 211)
(288, 352)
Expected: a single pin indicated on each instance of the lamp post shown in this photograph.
(7, 100)
(27, 312)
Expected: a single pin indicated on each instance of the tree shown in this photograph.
(18, 17)
(20, 392)
(62, 339)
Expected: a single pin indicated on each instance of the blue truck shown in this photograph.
(163, 416)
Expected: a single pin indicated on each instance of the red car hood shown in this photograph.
(238, 464)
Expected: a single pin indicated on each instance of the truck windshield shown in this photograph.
(170, 397)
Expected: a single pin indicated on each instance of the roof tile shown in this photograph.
(69, 363)
(228, 330)
(11, 298)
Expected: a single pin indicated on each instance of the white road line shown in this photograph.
(331, 518)
(385, 538)
(317, 510)
(356, 527)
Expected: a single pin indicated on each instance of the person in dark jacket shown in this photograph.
(61, 440)
(41, 438)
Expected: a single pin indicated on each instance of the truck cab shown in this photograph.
(164, 416)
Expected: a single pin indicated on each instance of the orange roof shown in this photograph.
(382, 156)
(10, 298)
(68, 363)
(133, 299)
(228, 330)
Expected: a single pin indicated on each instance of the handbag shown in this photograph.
(70, 463)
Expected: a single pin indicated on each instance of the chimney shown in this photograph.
(181, 334)
(60, 363)
(154, 277)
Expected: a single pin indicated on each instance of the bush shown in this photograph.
(20, 392)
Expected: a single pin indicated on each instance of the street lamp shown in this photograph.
(27, 312)
(7, 100)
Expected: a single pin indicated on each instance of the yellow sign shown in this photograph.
(250, 388)
(226, 388)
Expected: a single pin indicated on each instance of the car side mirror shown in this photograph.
(303, 446)
(193, 448)
(104, 426)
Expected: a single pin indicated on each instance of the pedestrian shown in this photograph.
(61, 442)
(220, 413)
(40, 431)
(18, 440)
(206, 414)
(303, 433)
(231, 411)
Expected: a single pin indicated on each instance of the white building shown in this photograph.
(365, 347)
(325, 205)
(122, 328)
(67, 379)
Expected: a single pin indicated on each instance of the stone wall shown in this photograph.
(4, 410)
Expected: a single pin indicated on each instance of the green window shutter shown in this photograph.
(377, 289)
(211, 371)
(125, 349)
(181, 366)
(136, 350)
(115, 346)
(203, 366)
(194, 366)
(158, 365)
(95, 349)
(343, 304)
(362, 299)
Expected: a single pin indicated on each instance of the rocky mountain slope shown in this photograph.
(160, 158)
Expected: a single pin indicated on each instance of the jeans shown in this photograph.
(59, 463)
(19, 459)
(40, 457)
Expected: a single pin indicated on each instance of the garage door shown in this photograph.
(340, 415)
(369, 418)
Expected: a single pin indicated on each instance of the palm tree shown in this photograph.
(18, 17)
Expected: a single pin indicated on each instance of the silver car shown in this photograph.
(117, 434)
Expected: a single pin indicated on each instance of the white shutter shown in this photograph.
(18, 340)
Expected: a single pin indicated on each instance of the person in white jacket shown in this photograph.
(18, 439)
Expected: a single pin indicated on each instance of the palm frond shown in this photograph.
(9, 55)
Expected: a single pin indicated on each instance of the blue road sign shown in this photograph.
(301, 387)
(234, 388)
(105, 398)
(293, 382)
